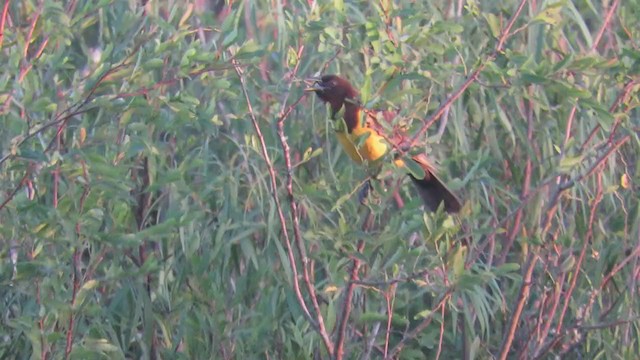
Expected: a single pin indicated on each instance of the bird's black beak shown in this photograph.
(315, 84)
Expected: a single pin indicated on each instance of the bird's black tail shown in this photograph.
(433, 191)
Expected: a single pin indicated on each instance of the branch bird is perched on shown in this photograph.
(339, 93)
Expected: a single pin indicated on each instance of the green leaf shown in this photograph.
(310, 154)
(505, 122)
(249, 50)
(43, 104)
(413, 167)
(552, 14)
(568, 264)
(530, 78)
(567, 163)
(456, 262)
(85, 290)
(447, 27)
(494, 24)
(508, 268)
(153, 64)
(100, 345)
(562, 64)
(423, 314)
(230, 38)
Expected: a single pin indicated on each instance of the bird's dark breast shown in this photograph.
(351, 116)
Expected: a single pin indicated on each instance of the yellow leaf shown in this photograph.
(420, 283)
(625, 182)
(330, 289)
(83, 135)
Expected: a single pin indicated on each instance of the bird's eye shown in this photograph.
(334, 83)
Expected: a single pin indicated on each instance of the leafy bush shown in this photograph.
(169, 190)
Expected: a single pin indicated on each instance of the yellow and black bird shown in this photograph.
(359, 123)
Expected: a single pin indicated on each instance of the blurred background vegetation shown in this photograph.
(167, 190)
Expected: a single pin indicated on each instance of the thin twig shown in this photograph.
(616, 269)
(574, 278)
(3, 20)
(306, 271)
(608, 325)
(317, 322)
(548, 317)
(274, 193)
(523, 296)
(605, 24)
(389, 304)
(583, 251)
(526, 185)
(372, 341)
(75, 287)
(441, 333)
(346, 306)
(13, 192)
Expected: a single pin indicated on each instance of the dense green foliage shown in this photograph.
(167, 188)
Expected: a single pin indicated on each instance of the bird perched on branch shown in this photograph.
(364, 139)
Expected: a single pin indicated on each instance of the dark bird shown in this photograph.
(340, 95)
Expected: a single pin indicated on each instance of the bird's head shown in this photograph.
(334, 90)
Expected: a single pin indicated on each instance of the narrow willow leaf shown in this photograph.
(84, 291)
(567, 163)
(413, 167)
